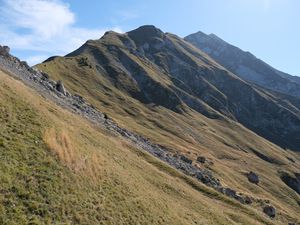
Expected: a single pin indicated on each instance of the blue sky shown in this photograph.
(37, 29)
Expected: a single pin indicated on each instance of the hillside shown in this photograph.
(245, 65)
(58, 168)
(163, 88)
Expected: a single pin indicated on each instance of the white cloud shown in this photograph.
(46, 26)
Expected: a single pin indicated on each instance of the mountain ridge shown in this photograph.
(188, 78)
(176, 96)
(245, 64)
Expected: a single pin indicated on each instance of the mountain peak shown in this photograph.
(145, 33)
(215, 37)
(147, 30)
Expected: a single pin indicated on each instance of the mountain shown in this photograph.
(144, 128)
(173, 94)
(62, 162)
(245, 65)
(161, 69)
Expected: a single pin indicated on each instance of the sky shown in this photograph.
(38, 29)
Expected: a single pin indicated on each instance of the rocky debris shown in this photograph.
(230, 192)
(4, 51)
(253, 177)
(60, 87)
(269, 210)
(291, 181)
(201, 159)
(186, 159)
(56, 92)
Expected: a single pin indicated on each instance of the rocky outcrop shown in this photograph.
(201, 159)
(60, 87)
(4, 51)
(253, 177)
(186, 159)
(292, 181)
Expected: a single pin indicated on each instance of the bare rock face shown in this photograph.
(4, 50)
(186, 159)
(253, 177)
(60, 87)
(201, 159)
(270, 211)
(292, 181)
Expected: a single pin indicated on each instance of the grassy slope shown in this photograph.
(56, 168)
(226, 143)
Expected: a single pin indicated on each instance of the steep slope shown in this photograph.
(163, 88)
(57, 168)
(163, 70)
(245, 65)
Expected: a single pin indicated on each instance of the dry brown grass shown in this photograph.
(61, 144)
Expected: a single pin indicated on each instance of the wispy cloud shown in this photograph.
(44, 26)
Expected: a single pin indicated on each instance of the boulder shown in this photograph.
(230, 192)
(253, 177)
(270, 211)
(60, 87)
(186, 159)
(201, 159)
(248, 200)
(4, 50)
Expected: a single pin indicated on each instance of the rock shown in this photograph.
(292, 181)
(201, 159)
(230, 192)
(105, 116)
(186, 159)
(24, 64)
(240, 198)
(253, 177)
(270, 211)
(248, 200)
(4, 50)
(45, 76)
(60, 87)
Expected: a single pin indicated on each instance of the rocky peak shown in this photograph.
(145, 33)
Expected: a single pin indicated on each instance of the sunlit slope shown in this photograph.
(161, 107)
(56, 168)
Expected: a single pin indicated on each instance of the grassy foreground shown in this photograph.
(56, 168)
